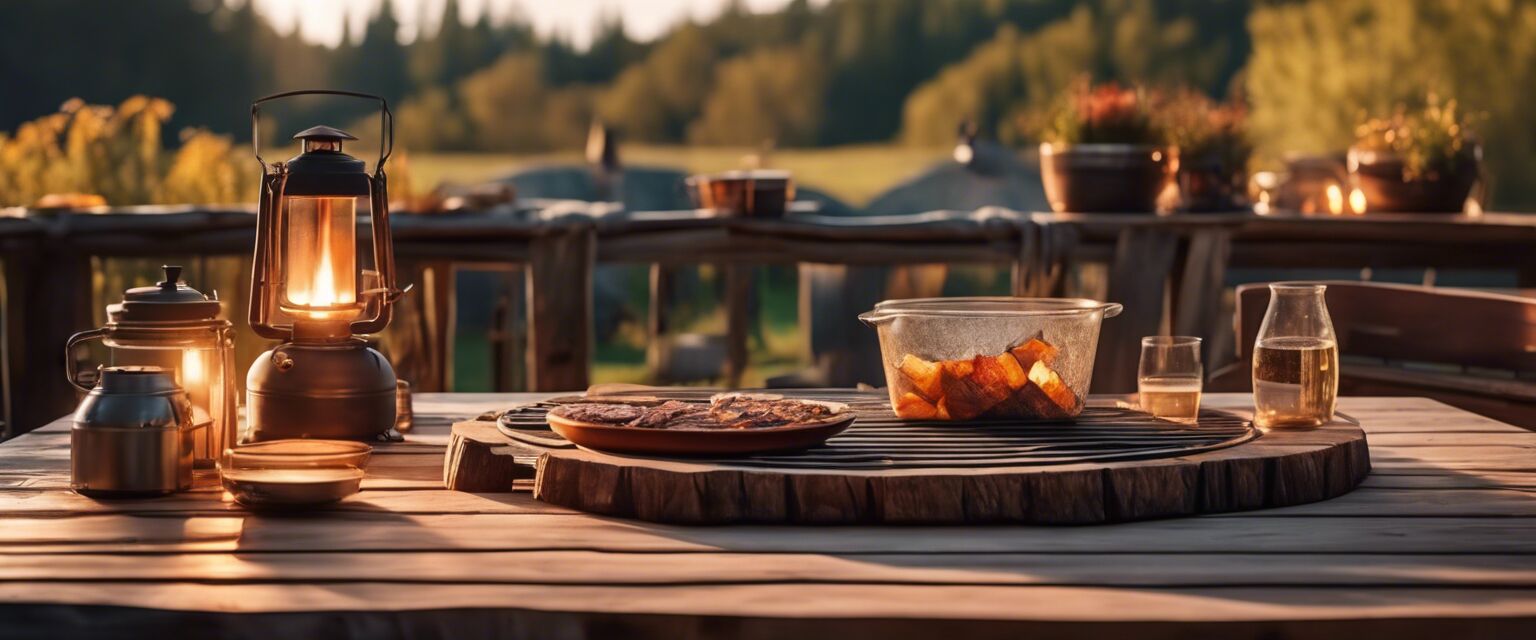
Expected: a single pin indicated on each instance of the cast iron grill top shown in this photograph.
(879, 440)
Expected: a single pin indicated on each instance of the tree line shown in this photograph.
(803, 75)
(845, 71)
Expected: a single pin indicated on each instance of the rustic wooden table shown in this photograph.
(1440, 541)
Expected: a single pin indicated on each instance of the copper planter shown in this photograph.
(1381, 177)
(756, 194)
(1105, 178)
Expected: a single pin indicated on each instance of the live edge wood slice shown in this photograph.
(1113, 465)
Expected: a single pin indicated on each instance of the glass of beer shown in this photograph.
(1170, 377)
(1295, 359)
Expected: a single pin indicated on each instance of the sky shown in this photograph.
(321, 20)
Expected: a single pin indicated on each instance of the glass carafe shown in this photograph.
(1295, 359)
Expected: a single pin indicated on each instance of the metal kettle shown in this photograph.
(132, 435)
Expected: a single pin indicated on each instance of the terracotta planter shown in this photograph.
(1105, 178)
(1379, 175)
(1209, 184)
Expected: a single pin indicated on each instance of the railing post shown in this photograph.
(52, 292)
(559, 276)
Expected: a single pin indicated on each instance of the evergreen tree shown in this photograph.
(379, 63)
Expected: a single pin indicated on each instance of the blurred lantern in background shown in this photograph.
(309, 289)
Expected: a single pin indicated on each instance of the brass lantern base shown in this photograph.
(339, 389)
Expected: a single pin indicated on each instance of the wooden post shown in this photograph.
(657, 355)
(1138, 279)
(1197, 299)
(53, 291)
(738, 320)
(560, 304)
(440, 307)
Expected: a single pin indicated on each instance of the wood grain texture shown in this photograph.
(1282, 468)
(1437, 543)
(1279, 469)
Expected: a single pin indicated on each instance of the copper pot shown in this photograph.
(756, 194)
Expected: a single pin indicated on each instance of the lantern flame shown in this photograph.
(323, 290)
(319, 280)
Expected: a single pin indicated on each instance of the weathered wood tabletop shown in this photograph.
(1440, 541)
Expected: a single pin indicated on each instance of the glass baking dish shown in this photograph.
(988, 357)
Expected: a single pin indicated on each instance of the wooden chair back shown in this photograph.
(1414, 323)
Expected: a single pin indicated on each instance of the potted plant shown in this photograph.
(1102, 151)
(1418, 160)
(1212, 139)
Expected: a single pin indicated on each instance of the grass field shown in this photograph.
(854, 174)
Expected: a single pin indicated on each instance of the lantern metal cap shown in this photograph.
(323, 133)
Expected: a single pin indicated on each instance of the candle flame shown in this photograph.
(1357, 202)
(192, 373)
(1335, 200)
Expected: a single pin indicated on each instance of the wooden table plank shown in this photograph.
(607, 568)
(1283, 612)
(1440, 540)
(511, 532)
(1387, 496)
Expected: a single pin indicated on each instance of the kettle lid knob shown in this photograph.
(172, 276)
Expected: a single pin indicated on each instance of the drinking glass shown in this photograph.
(1295, 359)
(1170, 378)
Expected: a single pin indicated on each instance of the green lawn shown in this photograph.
(852, 173)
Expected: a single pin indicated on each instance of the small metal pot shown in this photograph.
(133, 435)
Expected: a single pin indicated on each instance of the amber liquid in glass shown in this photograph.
(1295, 381)
(1174, 398)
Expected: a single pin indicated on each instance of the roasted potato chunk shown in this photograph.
(1018, 383)
(911, 406)
(1049, 382)
(967, 395)
(923, 376)
(1034, 350)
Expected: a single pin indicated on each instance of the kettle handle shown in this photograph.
(69, 355)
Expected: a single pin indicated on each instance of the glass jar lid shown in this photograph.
(169, 300)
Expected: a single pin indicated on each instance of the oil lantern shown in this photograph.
(310, 289)
(174, 326)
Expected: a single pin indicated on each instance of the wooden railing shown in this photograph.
(47, 258)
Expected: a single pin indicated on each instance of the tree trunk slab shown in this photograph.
(1071, 482)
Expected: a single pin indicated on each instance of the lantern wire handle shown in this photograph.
(386, 122)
